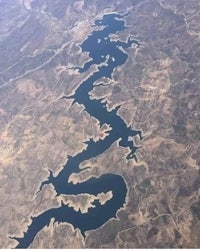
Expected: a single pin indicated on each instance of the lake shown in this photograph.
(101, 49)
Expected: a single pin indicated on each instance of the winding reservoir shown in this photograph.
(101, 49)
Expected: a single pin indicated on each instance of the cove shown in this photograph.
(107, 54)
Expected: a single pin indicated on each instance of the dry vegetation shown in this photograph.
(158, 89)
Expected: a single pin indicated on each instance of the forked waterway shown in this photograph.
(107, 55)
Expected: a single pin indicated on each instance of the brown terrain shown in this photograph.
(159, 93)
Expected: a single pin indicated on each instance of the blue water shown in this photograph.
(97, 216)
